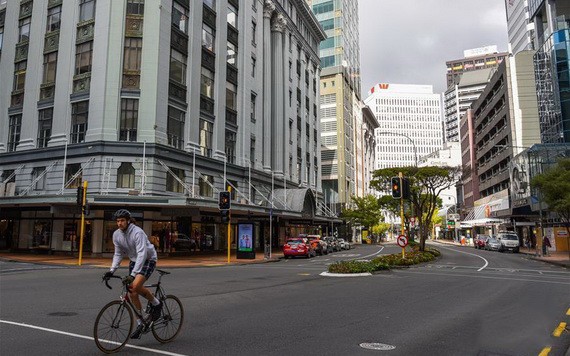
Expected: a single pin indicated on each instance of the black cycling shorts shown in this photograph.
(147, 268)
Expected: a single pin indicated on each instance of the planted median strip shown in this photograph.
(385, 262)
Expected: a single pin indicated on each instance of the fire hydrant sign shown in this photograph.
(402, 241)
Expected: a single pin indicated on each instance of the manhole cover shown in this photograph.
(377, 346)
(62, 314)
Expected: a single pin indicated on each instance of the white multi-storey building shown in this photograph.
(159, 105)
(409, 118)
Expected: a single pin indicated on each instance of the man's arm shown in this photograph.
(140, 240)
(117, 256)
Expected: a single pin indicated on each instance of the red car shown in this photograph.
(479, 241)
(299, 246)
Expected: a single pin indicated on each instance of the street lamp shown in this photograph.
(406, 136)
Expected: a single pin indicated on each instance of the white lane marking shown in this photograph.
(509, 278)
(374, 254)
(88, 337)
(472, 254)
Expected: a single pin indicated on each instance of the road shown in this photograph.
(468, 302)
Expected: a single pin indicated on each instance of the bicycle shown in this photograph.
(114, 323)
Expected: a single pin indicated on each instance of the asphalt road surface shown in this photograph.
(468, 302)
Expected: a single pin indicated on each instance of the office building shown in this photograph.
(520, 30)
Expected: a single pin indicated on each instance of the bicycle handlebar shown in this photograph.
(107, 281)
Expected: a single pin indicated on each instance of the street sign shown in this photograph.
(402, 241)
(453, 216)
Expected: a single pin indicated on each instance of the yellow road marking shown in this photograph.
(568, 311)
(558, 331)
(545, 351)
(304, 274)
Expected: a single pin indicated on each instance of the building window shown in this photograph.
(232, 54)
(208, 37)
(40, 184)
(70, 171)
(253, 98)
(20, 75)
(232, 16)
(14, 129)
(129, 119)
(205, 185)
(132, 54)
(135, 7)
(126, 176)
(230, 146)
(207, 83)
(253, 66)
(53, 19)
(1, 38)
(172, 184)
(175, 127)
(179, 17)
(252, 149)
(50, 65)
(177, 67)
(206, 137)
(86, 10)
(45, 118)
(83, 57)
(211, 4)
(79, 114)
(253, 33)
(231, 96)
(24, 29)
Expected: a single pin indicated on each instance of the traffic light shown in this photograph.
(396, 188)
(406, 188)
(80, 195)
(224, 200)
(225, 214)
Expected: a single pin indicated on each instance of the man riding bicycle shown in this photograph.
(131, 241)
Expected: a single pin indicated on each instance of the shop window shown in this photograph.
(41, 234)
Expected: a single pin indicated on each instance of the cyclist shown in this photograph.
(131, 241)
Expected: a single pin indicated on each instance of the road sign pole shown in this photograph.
(401, 176)
(82, 230)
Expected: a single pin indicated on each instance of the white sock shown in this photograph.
(139, 322)
(155, 302)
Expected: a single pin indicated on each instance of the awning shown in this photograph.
(481, 222)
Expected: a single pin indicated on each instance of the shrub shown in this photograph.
(352, 267)
(385, 262)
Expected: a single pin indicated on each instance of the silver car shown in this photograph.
(492, 244)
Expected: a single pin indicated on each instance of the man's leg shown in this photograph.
(138, 288)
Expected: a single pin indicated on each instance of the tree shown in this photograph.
(426, 183)
(554, 186)
(366, 212)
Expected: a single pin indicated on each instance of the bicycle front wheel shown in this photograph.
(169, 324)
(113, 326)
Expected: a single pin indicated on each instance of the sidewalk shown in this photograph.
(560, 258)
(164, 261)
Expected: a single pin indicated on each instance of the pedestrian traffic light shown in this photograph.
(224, 200)
(396, 188)
(80, 195)
(225, 215)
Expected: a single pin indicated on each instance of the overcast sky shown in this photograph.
(409, 41)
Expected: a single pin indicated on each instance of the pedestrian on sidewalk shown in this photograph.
(545, 246)
(527, 242)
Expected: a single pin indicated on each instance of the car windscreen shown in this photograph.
(295, 241)
(493, 240)
(510, 237)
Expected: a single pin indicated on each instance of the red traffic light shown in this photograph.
(396, 187)
(224, 200)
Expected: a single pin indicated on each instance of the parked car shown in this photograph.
(332, 243)
(184, 243)
(509, 241)
(344, 245)
(320, 245)
(300, 246)
(479, 241)
(492, 244)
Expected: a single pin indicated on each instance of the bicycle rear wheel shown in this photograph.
(169, 324)
(113, 326)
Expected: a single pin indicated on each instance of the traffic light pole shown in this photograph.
(229, 226)
(401, 176)
(82, 222)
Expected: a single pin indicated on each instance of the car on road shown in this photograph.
(184, 243)
(344, 245)
(479, 241)
(492, 244)
(299, 246)
(509, 241)
(320, 245)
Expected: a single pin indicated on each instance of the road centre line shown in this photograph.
(467, 253)
(87, 337)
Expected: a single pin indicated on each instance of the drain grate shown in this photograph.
(62, 314)
(377, 346)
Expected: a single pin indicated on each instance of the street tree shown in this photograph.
(366, 211)
(426, 183)
(554, 187)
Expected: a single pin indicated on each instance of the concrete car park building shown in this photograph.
(158, 105)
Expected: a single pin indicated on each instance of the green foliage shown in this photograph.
(366, 212)
(554, 185)
(386, 262)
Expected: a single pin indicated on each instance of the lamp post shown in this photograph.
(406, 136)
